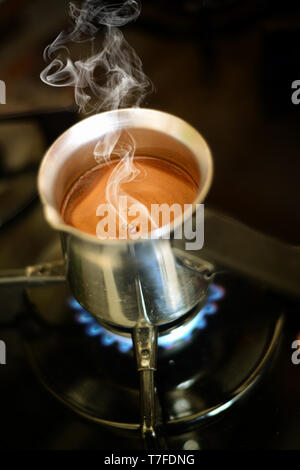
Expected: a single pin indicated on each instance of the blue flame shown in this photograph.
(180, 334)
(215, 292)
(93, 329)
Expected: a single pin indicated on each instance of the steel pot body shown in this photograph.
(118, 281)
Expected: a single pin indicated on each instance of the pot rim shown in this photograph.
(55, 220)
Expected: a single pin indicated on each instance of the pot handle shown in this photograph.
(144, 338)
(193, 262)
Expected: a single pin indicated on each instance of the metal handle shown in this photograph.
(35, 276)
(234, 246)
(193, 262)
(144, 338)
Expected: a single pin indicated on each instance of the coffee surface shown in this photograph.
(158, 182)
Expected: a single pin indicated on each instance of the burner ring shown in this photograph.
(217, 367)
(174, 425)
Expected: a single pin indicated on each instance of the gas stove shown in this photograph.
(227, 374)
(205, 365)
(71, 383)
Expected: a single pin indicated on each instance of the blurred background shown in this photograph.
(225, 66)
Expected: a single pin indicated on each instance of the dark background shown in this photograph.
(225, 66)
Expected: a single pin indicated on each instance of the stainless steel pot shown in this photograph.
(133, 284)
(104, 274)
(137, 286)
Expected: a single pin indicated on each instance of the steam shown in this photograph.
(122, 144)
(123, 82)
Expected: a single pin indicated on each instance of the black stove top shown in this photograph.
(225, 379)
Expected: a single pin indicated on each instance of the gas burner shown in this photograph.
(172, 340)
(204, 366)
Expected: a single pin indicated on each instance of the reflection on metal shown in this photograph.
(182, 407)
(191, 444)
(156, 134)
(244, 387)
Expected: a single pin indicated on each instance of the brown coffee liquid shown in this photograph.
(158, 182)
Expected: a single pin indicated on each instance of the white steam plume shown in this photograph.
(124, 84)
